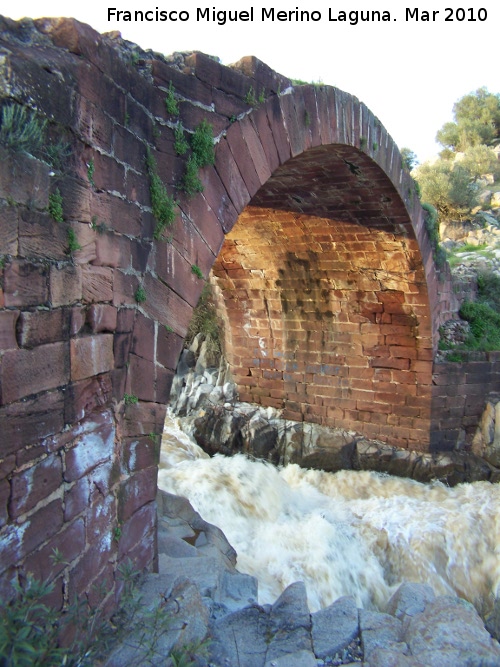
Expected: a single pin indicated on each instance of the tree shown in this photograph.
(447, 186)
(409, 158)
(477, 121)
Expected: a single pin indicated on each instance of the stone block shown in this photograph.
(8, 229)
(23, 179)
(65, 283)
(44, 326)
(76, 499)
(165, 306)
(25, 284)
(34, 484)
(41, 237)
(112, 250)
(25, 372)
(141, 378)
(137, 527)
(84, 396)
(102, 317)
(143, 338)
(69, 542)
(91, 355)
(138, 490)
(94, 445)
(8, 320)
(97, 283)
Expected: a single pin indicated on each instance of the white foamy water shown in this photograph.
(345, 533)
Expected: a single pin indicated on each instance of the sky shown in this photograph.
(408, 72)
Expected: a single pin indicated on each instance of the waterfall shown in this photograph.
(345, 533)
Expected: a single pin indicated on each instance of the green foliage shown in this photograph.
(449, 187)
(191, 183)
(90, 172)
(197, 271)
(130, 399)
(476, 121)
(409, 158)
(375, 146)
(140, 294)
(479, 160)
(206, 321)
(168, 328)
(432, 226)
(171, 104)
(21, 130)
(363, 143)
(56, 154)
(484, 325)
(56, 205)
(488, 283)
(202, 143)
(73, 244)
(162, 204)
(299, 82)
(307, 118)
(181, 145)
(250, 98)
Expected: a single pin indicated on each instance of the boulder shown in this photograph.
(334, 627)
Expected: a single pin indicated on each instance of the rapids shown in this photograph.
(344, 533)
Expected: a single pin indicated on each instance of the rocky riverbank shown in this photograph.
(215, 620)
(206, 399)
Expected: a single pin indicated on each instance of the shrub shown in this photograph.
(171, 104)
(206, 321)
(191, 183)
(55, 206)
(21, 130)
(162, 204)
(202, 143)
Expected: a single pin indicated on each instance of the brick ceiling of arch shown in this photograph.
(323, 292)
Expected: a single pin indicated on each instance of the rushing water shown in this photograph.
(345, 533)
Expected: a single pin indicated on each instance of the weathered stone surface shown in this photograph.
(409, 600)
(334, 627)
(65, 285)
(91, 355)
(450, 633)
(379, 631)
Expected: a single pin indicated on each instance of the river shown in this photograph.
(344, 533)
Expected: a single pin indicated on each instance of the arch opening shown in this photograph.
(322, 290)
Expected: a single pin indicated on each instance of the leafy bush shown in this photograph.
(162, 204)
(202, 143)
(55, 205)
(484, 324)
(21, 130)
(191, 183)
(206, 321)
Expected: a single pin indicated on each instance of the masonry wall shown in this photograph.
(94, 308)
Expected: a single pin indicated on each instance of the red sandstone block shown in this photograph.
(97, 283)
(25, 284)
(65, 283)
(140, 524)
(169, 346)
(102, 318)
(112, 250)
(143, 418)
(25, 372)
(94, 561)
(141, 453)
(43, 524)
(143, 339)
(30, 421)
(230, 174)
(94, 445)
(44, 326)
(99, 517)
(138, 490)
(76, 498)
(124, 289)
(108, 173)
(8, 320)
(83, 397)
(399, 364)
(165, 306)
(34, 484)
(141, 378)
(33, 188)
(41, 237)
(91, 355)
(8, 229)
(70, 543)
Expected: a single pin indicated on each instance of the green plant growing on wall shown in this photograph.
(191, 183)
(21, 130)
(262, 96)
(307, 119)
(56, 154)
(181, 145)
(250, 97)
(432, 226)
(56, 206)
(162, 204)
(130, 399)
(197, 271)
(140, 294)
(90, 172)
(73, 244)
(206, 321)
(363, 143)
(171, 104)
(375, 146)
(202, 143)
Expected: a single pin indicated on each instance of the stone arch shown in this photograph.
(86, 366)
(326, 282)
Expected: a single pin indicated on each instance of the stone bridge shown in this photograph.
(320, 259)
